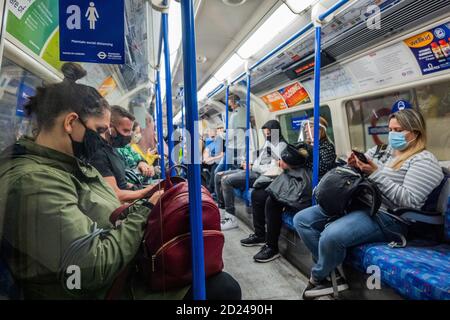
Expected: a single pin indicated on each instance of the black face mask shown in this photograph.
(92, 142)
(120, 141)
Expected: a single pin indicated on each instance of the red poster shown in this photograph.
(294, 94)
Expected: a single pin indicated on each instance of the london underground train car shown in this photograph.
(225, 150)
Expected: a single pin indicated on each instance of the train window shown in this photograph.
(434, 103)
(16, 84)
(290, 123)
(368, 118)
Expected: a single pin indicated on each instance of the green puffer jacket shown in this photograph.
(54, 214)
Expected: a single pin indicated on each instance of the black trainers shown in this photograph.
(266, 254)
(323, 288)
(253, 240)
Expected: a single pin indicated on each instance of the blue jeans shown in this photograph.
(328, 240)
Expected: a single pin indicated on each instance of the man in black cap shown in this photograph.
(291, 191)
(267, 160)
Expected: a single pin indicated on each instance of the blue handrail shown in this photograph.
(194, 179)
(272, 53)
(220, 87)
(333, 9)
(286, 43)
(227, 118)
(247, 141)
(317, 65)
(159, 124)
(165, 25)
(182, 128)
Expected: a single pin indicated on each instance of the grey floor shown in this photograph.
(275, 280)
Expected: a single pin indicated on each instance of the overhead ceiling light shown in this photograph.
(298, 6)
(275, 24)
(229, 67)
(175, 29)
(234, 2)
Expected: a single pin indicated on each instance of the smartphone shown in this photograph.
(361, 156)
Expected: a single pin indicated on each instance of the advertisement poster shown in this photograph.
(432, 49)
(23, 93)
(390, 65)
(85, 31)
(275, 101)
(287, 97)
(294, 94)
(34, 24)
(108, 86)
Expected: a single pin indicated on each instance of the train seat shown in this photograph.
(244, 195)
(288, 220)
(419, 273)
(416, 272)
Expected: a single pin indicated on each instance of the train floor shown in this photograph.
(275, 280)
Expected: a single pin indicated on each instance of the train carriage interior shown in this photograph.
(261, 57)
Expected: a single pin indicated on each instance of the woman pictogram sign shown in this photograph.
(92, 15)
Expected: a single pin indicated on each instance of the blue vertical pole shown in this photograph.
(316, 107)
(182, 128)
(159, 123)
(247, 141)
(194, 179)
(227, 114)
(165, 24)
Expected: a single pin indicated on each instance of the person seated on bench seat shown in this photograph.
(406, 180)
(327, 151)
(266, 208)
(269, 203)
(55, 232)
(108, 161)
(133, 160)
(267, 160)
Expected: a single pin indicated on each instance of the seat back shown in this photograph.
(437, 200)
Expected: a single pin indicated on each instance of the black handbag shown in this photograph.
(292, 188)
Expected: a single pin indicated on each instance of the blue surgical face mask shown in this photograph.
(397, 140)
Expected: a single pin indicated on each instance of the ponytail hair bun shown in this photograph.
(73, 71)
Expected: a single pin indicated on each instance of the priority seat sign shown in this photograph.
(92, 31)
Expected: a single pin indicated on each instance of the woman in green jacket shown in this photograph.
(57, 239)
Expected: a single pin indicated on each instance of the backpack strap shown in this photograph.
(373, 190)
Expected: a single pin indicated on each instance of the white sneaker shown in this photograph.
(223, 214)
(228, 223)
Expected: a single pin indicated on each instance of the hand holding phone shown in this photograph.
(361, 156)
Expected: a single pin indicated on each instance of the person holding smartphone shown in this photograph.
(405, 180)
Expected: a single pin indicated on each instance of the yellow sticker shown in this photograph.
(420, 40)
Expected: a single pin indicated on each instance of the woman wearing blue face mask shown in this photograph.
(405, 179)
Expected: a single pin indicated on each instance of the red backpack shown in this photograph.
(167, 239)
(166, 260)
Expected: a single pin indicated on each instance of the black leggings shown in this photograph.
(222, 286)
(267, 210)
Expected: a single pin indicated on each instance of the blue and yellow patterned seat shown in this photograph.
(420, 273)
